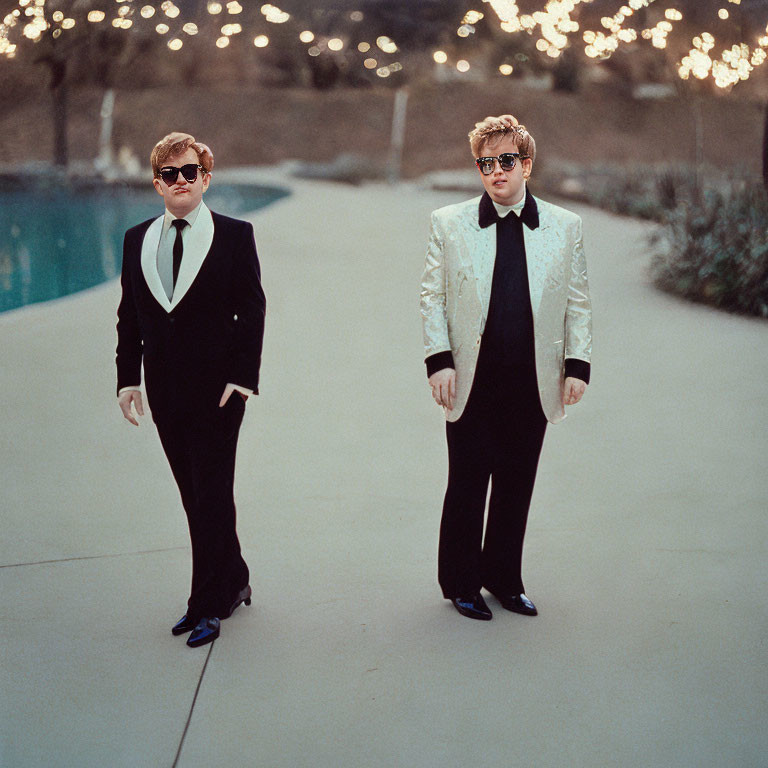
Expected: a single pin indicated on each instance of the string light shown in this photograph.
(554, 23)
(386, 44)
(169, 9)
(274, 15)
(552, 27)
(658, 34)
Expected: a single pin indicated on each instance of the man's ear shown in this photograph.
(527, 167)
(158, 188)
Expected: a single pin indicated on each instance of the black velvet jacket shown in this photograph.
(212, 337)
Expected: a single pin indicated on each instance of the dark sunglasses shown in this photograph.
(506, 160)
(170, 173)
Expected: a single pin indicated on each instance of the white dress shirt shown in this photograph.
(167, 241)
(165, 266)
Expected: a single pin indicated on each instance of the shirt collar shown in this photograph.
(503, 210)
(190, 218)
(491, 212)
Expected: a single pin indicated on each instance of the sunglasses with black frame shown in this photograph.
(507, 161)
(169, 173)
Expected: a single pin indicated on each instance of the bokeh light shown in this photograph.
(552, 26)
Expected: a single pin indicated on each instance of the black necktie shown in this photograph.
(178, 248)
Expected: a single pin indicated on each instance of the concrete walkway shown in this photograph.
(646, 550)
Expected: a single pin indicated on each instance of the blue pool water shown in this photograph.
(56, 240)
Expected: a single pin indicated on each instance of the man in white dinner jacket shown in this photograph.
(507, 336)
(192, 311)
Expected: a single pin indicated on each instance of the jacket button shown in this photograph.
(172, 320)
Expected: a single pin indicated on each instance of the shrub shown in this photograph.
(716, 248)
(648, 192)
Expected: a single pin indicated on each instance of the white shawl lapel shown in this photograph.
(149, 262)
(198, 243)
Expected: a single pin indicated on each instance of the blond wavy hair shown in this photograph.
(177, 143)
(493, 129)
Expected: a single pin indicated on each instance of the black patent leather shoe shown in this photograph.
(243, 596)
(206, 631)
(518, 604)
(472, 606)
(184, 624)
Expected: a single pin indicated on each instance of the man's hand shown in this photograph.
(228, 390)
(573, 390)
(126, 400)
(443, 385)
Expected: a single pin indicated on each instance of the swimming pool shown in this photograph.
(60, 237)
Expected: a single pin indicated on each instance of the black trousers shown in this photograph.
(498, 438)
(201, 447)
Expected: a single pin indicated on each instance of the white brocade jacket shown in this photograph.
(456, 293)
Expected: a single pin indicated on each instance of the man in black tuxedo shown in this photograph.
(192, 310)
